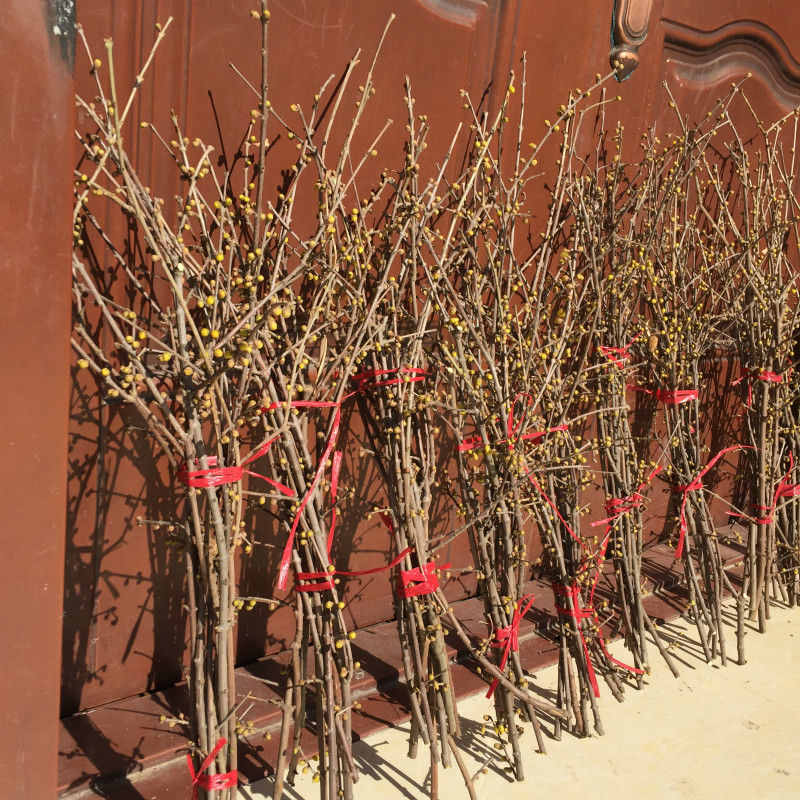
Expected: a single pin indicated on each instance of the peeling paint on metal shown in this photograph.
(62, 27)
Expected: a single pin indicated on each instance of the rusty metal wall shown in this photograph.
(35, 212)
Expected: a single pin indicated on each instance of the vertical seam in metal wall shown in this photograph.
(501, 15)
(186, 61)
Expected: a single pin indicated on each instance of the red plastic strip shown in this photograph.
(508, 638)
(512, 426)
(616, 355)
(552, 505)
(783, 489)
(327, 582)
(331, 443)
(617, 506)
(320, 586)
(419, 580)
(386, 519)
(335, 469)
(413, 375)
(695, 485)
(362, 379)
(764, 375)
(219, 476)
(393, 563)
(669, 397)
(577, 613)
(211, 783)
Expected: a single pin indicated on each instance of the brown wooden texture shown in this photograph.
(124, 628)
(36, 157)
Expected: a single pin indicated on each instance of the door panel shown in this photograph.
(706, 48)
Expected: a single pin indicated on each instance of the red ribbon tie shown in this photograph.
(508, 638)
(211, 783)
(419, 580)
(219, 476)
(512, 427)
(669, 397)
(695, 485)
(762, 375)
(326, 578)
(783, 489)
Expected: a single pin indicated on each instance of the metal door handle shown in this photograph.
(629, 20)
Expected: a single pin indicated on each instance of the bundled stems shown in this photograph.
(399, 416)
(766, 333)
(243, 336)
(690, 300)
(608, 201)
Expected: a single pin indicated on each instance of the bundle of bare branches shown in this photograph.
(226, 330)
(475, 283)
(308, 371)
(766, 337)
(513, 353)
(170, 330)
(689, 261)
(608, 202)
(400, 419)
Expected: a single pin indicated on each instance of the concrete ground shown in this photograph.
(714, 732)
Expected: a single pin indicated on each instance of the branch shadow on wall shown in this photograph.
(123, 587)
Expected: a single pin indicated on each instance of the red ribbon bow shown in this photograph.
(617, 506)
(211, 783)
(618, 355)
(615, 355)
(508, 638)
(419, 580)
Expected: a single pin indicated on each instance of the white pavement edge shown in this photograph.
(714, 732)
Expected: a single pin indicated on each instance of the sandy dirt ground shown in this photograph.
(714, 732)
